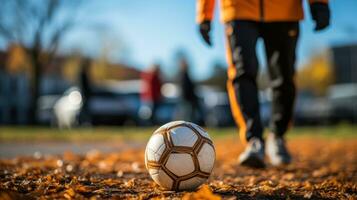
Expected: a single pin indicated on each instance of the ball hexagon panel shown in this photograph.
(161, 178)
(200, 130)
(191, 183)
(206, 158)
(180, 164)
(183, 136)
(155, 147)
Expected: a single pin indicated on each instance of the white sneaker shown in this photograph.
(277, 151)
(253, 155)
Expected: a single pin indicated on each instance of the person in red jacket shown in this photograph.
(151, 90)
(277, 23)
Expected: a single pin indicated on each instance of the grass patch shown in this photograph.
(143, 133)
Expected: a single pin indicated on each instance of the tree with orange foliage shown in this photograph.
(317, 75)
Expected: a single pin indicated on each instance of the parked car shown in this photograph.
(216, 107)
(114, 108)
(310, 110)
(109, 105)
(343, 100)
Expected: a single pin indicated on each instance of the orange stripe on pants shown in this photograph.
(236, 111)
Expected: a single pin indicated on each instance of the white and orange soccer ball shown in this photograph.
(180, 156)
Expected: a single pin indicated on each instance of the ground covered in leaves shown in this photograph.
(322, 169)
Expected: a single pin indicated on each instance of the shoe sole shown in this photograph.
(280, 163)
(253, 162)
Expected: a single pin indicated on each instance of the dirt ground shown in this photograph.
(322, 169)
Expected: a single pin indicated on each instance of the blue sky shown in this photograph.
(141, 32)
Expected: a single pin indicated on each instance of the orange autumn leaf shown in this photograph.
(204, 193)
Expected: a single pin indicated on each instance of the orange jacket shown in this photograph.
(256, 10)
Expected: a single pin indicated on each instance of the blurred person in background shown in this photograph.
(150, 93)
(85, 87)
(277, 23)
(189, 108)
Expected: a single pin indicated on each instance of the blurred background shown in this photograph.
(127, 62)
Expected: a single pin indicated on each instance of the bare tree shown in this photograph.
(38, 26)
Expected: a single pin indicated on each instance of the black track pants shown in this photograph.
(280, 40)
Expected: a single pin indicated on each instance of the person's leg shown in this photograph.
(242, 88)
(199, 112)
(280, 43)
(154, 114)
(85, 117)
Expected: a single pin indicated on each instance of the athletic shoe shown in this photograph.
(253, 155)
(277, 151)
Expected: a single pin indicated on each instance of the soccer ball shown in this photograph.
(179, 156)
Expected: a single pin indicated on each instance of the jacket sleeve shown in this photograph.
(319, 1)
(205, 9)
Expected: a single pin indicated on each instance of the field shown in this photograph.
(105, 162)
